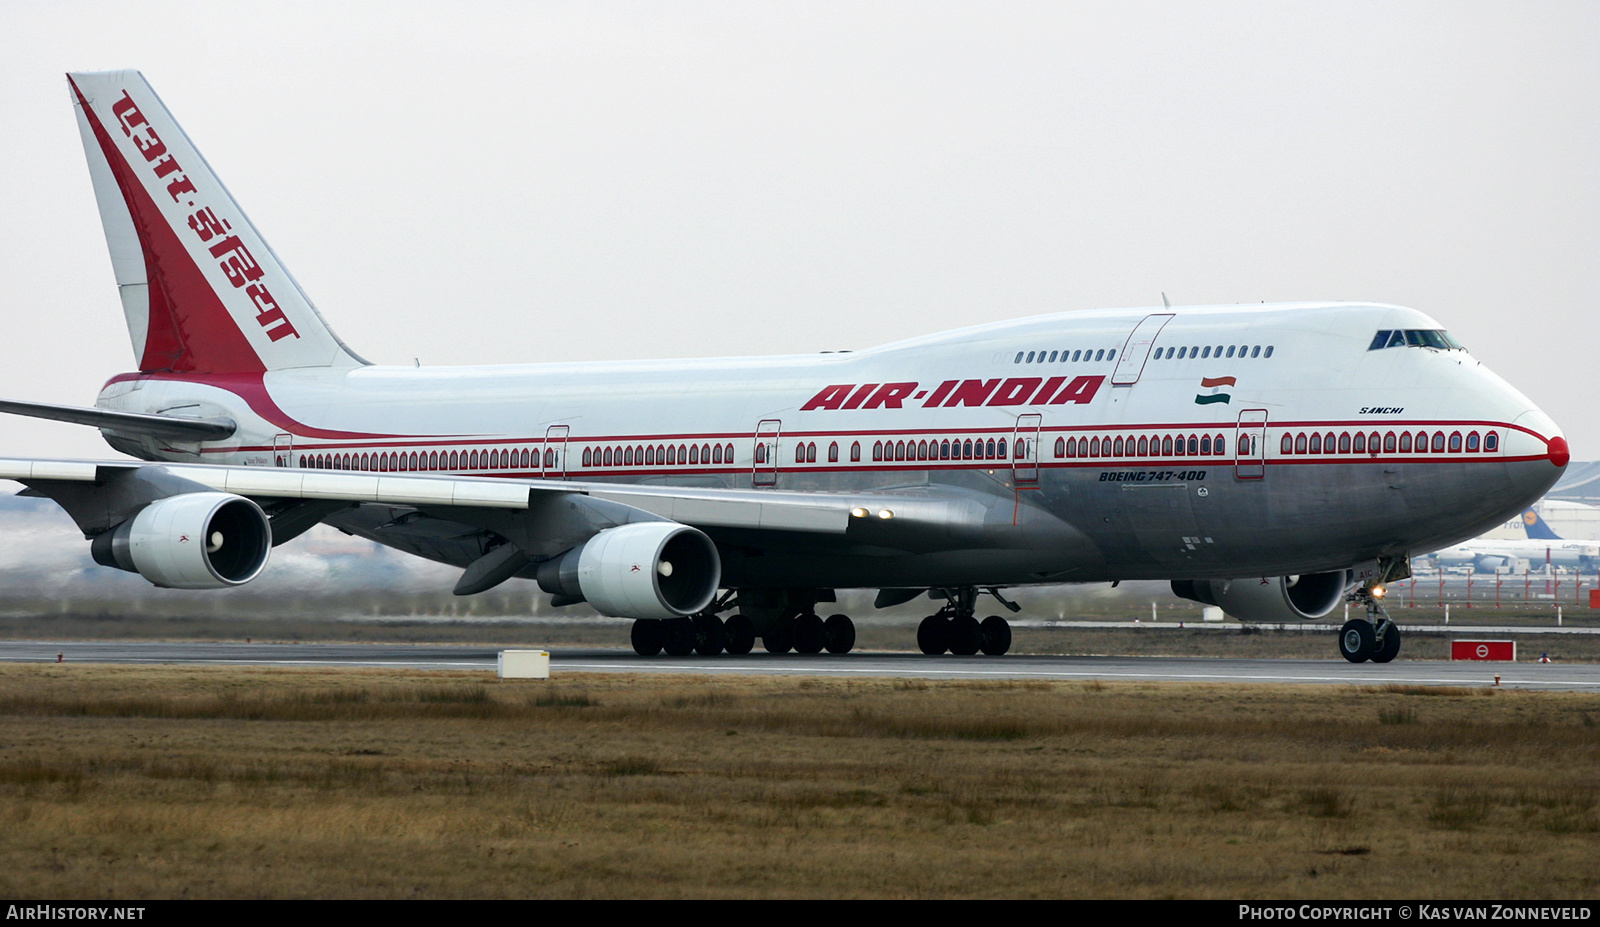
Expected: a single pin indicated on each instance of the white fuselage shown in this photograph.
(1287, 431)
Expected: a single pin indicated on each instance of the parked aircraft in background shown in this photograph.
(1542, 546)
(1272, 460)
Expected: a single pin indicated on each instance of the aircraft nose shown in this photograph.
(1539, 427)
(1538, 454)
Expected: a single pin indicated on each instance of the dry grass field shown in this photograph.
(156, 782)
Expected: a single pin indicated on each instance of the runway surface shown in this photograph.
(1579, 677)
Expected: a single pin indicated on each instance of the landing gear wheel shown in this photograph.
(809, 634)
(646, 636)
(839, 634)
(780, 639)
(677, 637)
(740, 634)
(933, 634)
(996, 633)
(1390, 647)
(709, 637)
(966, 635)
(1357, 640)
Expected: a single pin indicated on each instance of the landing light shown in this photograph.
(1379, 592)
(885, 514)
(858, 512)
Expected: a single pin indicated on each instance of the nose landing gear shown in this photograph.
(1375, 637)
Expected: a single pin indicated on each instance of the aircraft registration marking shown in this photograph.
(1150, 476)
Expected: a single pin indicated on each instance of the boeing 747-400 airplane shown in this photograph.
(1272, 460)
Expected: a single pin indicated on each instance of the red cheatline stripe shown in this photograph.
(1218, 381)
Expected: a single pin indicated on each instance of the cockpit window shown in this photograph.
(1416, 338)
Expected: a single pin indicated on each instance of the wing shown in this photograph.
(577, 538)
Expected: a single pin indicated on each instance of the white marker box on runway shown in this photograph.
(523, 664)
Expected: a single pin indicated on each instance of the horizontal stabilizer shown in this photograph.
(164, 427)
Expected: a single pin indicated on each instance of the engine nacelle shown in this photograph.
(653, 569)
(1488, 563)
(197, 540)
(1271, 598)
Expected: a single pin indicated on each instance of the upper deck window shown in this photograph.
(1415, 338)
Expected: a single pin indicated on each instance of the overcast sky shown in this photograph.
(512, 182)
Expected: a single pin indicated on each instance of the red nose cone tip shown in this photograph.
(1559, 455)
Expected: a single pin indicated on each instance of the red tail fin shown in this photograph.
(202, 291)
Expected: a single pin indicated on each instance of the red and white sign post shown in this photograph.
(1501, 651)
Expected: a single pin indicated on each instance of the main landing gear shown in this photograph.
(1375, 637)
(954, 628)
(708, 635)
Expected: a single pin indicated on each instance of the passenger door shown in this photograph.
(1025, 448)
(1249, 444)
(283, 450)
(1136, 350)
(764, 466)
(553, 458)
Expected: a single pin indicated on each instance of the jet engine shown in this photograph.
(653, 569)
(1488, 563)
(196, 540)
(1272, 598)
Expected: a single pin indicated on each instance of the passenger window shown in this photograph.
(1030, 358)
(1076, 355)
(877, 450)
(1268, 352)
(1438, 442)
(1181, 352)
(833, 452)
(1219, 445)
(1100, 354)
(1206, 352)
(1455, 442)
(1388, 443)
(1112, 355)
(1255, 352)
(1344, 442)
(1360, 443)
(855, 451)
(1052, 357)
(1019, 358)
(1230, 350)
(1472, 442)
(1405, 442)
(1300, 443)
(1491, 441)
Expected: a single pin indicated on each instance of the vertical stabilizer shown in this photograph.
(1536, 527)
(202, 291)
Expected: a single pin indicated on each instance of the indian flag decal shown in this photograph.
(1214, 391)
